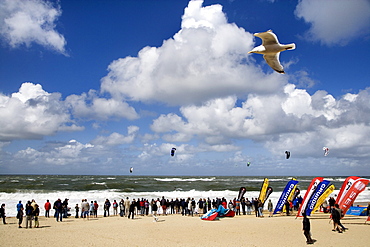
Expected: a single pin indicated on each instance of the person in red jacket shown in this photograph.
(47, 207)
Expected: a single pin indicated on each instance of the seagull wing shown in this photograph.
(273, 61)
(268, 38)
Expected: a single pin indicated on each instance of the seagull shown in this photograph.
(271, 49)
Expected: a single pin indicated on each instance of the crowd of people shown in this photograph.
(160, 206)
(130, 208)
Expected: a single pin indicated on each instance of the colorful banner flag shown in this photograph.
(320, 189)
(310, 190)
(263, 190)
(354, 189)
(268, 193)
(242, 191)
(322, 198)
(284, 196)
(345, 187)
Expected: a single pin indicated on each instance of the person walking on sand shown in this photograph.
(335, 216)
(307, 229)
(154, 211)
(2, 212)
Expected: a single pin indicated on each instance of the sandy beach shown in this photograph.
(177, 230)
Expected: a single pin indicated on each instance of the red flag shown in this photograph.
(345, 187)
(311, 188)
(354, 189)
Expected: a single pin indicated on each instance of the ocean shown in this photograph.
(14, 188)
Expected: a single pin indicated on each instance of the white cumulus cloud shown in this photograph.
(206, 59)
(91, 106)
(23, 22)
(115, 138)
(335, 22)
(33, 113)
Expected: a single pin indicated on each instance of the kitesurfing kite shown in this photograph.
(271, 49)
(131, 169)
(287, 153)
(249, 163)
(219, 212)
(326, 151)
(173, 151)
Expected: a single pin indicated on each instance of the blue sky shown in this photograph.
(97, 87)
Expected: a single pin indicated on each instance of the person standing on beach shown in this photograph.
(121, 208)
(132, 209)
(331, 203)
(368, 210)
(164, 205)
(287, 207)
(20, 217)
(29, 214)
(36, 214)
(106, 207)
(307, 229)
(249, 206)
(2, 212)
(96, 206)
(115, 207)
(127, 206)
(47, 207)
(255, 204)
(260, 208)
(58, 206)
(65, 208)
(91, 208)
(19, 206)
(242, 203)
(85, 207)
(77, 209)
(270, 207)
(200, 205)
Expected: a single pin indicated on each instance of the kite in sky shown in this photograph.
(131, 169)
(271, 49)
(173, 151)
(287, 153)
(326, 151)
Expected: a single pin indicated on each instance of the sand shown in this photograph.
(177, 230)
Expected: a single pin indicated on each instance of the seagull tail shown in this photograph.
(290, 47)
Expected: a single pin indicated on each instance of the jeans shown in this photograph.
(59, 215)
